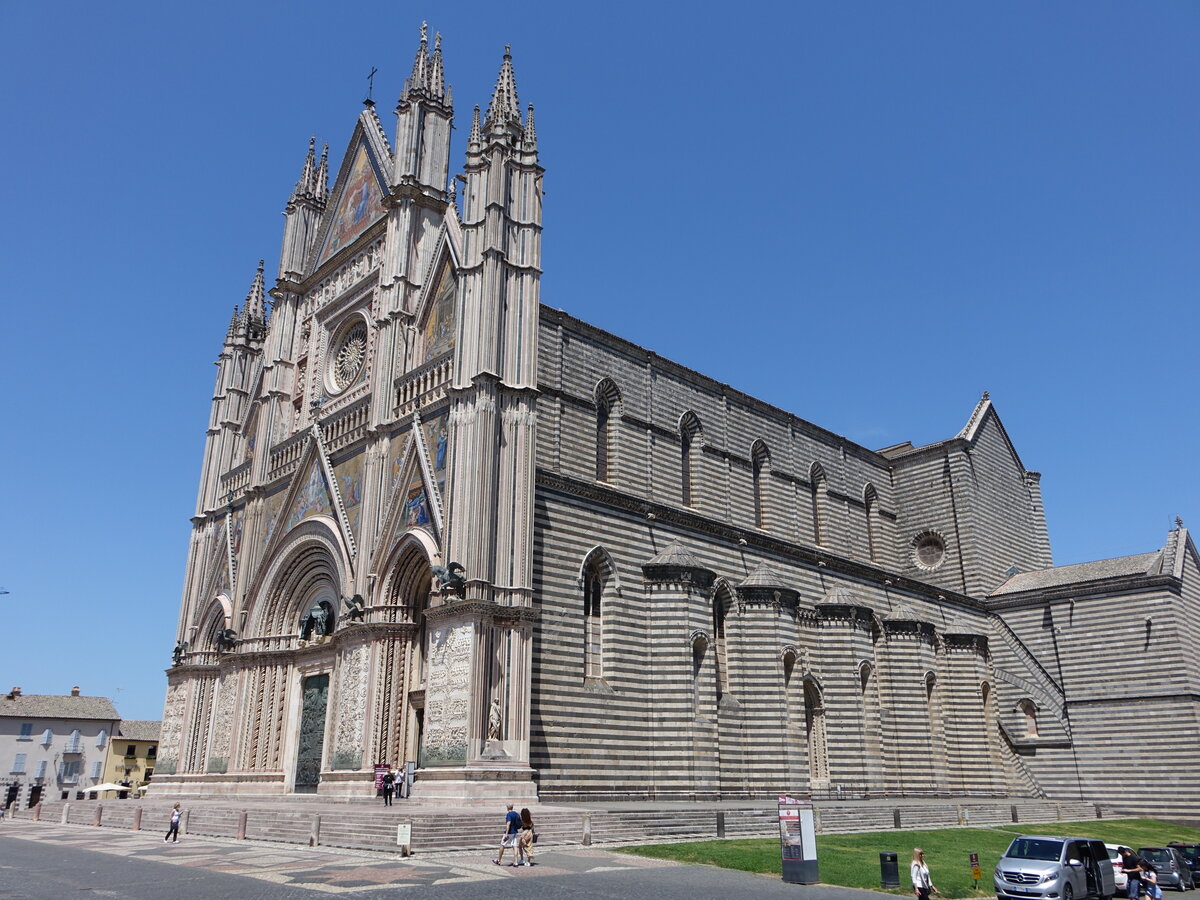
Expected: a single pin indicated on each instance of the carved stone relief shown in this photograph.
(226, 695)
(172, 725)
(352, 698)
(448, 694)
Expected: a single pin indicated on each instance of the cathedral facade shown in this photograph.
(441, 523)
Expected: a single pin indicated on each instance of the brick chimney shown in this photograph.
(75, 691)
(14, 693)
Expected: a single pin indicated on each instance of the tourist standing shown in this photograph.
(389, 787)
(525, 838)
(173, 828)
(512, 826)
(922, 882)
(1131, 865)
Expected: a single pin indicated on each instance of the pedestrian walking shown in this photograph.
(389, 787)
(922, 882)
(173, 829)
(1150, 881)
(512, 828)
(526, 838)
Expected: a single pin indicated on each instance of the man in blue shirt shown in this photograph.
(512, 825)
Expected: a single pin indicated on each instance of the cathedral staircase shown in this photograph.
(371, 828)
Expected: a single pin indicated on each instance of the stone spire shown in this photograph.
(419, 80)
(437, 74)
(321, 185)
(530, 132)
(475, 139)
(303, 187)
(256, 307)
(505, 109)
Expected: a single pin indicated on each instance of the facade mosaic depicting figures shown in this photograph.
(439, 522)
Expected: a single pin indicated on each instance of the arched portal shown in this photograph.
(814, 725)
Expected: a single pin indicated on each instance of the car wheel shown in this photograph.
(1068, 892)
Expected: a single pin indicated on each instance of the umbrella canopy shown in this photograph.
(108, 786)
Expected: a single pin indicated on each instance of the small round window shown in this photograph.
(929, 550)
(348, 356)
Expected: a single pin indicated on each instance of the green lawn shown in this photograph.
(852, 860)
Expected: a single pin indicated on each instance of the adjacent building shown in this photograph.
(53, 746)
(443, 523)
(133, 753)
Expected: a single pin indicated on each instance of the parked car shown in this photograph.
(1114, 854)
(1191, 853)
(1172, 867)
(1067, 868)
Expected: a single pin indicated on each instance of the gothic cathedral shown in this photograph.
(443, 524)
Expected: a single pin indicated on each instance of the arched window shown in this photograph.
(689, 447)
(593, 627)
(722, 603)
(699, 651)
(816, 480)
(608, 400)
(760, 460)
(1029, 709)
(789, 667)
(814, 726)
(871, 508)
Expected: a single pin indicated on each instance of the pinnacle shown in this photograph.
(530, 131)
(475, 138)
(504, 108)
(256, 310)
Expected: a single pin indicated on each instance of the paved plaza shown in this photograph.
(39, 861)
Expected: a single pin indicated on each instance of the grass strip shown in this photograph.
(852, 860)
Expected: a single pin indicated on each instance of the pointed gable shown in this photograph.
(357, 196)
(313, 498)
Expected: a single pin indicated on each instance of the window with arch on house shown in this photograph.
(816, 480)
(760, 462)
(593, 624)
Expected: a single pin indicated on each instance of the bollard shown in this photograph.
(241, 831)
(314, 836)
(66, 809)
(1099, 812)
(720, 823)
(1014, 812)
(896, 818)
(587, 830)
(889, 871)
(37, 812)
(183, 825)
(98, 814)
(137, 820)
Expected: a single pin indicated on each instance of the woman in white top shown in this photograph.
(922, 883)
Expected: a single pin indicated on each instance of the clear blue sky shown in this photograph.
(865, 213)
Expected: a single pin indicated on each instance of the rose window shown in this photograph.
(349, 356)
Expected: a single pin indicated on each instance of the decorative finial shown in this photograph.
(986, 395)
(508, 51)
(437, 42)
(424, 32)
(1178, 521)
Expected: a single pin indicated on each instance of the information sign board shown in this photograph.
(797, 841)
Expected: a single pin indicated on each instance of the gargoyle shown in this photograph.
(449, 579)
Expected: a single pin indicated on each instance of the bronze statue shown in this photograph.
(226, 639)
(355, 607)
(177, 654)
(449, 579)
(319, 619)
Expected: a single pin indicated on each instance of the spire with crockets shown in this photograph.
(424, 116)
(505, 109)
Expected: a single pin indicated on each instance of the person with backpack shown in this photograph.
(389, 787)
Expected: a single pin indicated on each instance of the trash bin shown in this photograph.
(889, 871)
